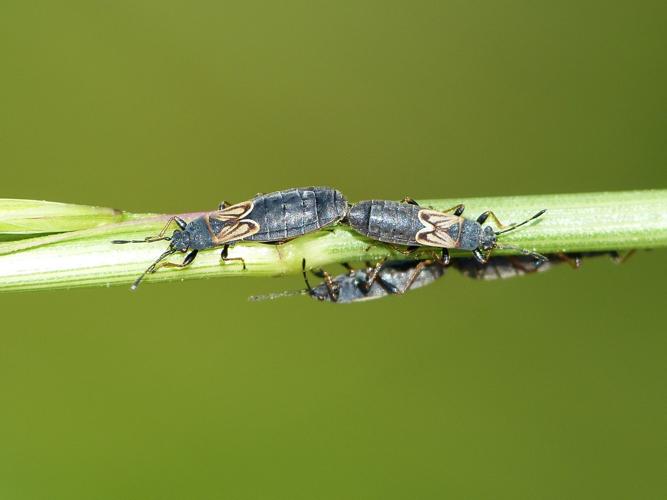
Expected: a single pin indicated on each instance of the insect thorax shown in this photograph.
(471, 235)
(200, 233)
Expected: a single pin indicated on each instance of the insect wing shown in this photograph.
(435, 229)
(439, 219)
(235, 212)
(236, 231)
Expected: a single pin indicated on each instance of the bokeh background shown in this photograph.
(548, 387)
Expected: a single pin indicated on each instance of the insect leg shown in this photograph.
(418, 269)
(479, 256)
(305, 278)
(186, 262)
(181, 223)
(347, 266)
(573, 260)
(388, 287)
(457, 209)
(224, 253)
(332, 287)
(372, 275)
(444, 257)
(617, 258)
(482, 219)
(150, 239)
(404, 251)
(223, 204)
(519, 266)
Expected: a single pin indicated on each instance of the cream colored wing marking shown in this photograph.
(236, 231)
(435, 233)
(235, 212)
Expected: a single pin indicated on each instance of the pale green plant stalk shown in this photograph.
(20, 219)
(86, 257)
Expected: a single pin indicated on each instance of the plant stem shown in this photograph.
(573, 223)
(21, 219)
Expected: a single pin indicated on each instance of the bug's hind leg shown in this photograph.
(573, 259)
(617, 258)
(372, 275)
(417, 270)
(456, 209)
(186, 262)
(225, 252)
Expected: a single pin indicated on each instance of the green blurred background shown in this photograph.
(545, 387)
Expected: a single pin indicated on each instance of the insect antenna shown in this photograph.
(151, 268)
(538, 256)
(277, 295)
(309, 289)
(148, 239)
(514, 226)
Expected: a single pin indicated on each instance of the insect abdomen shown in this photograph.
(293, 212)
(388, 221)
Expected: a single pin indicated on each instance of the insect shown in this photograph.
(398, 277)
(395, 277)
(510, 266)
(271, 218)
(409, 224)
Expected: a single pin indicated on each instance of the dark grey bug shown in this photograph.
(410, 225)
(398, 277)
(510, 266)
(270, 218)
(371, 282)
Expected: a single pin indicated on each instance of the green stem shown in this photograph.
(573, 223)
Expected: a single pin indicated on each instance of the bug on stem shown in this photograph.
(408, 224)
(270, 218)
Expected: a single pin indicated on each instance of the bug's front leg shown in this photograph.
(186, 262)
(479, 256)
(225, 252)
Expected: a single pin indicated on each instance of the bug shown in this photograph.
(510, 266)
(270, 218)
(406, 223)
(395, 277)
(398, 277)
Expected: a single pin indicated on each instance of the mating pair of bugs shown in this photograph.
(283, 215)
